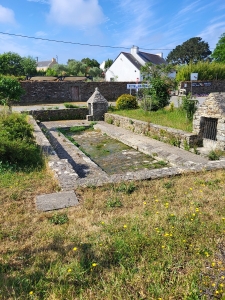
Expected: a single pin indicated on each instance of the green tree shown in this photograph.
(11, 64)
(10, 91)
(94, 72)
(219, 52)
(51, 72)
(157, 95)
(60, 69)
(29, 65)
(84, 69)
(90, 62)
(74, 66)
(193, 50)
(108, 63)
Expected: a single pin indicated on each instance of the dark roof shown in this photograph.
(132, 59)
(153, 58)
(46, 63)
(147, 57)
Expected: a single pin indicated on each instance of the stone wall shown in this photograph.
(41, 92)
(209, 121)
(165, 134)
(203, 87)
(59, 114)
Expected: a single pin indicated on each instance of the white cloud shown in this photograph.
(135, 27)
(212, 33)
(79, 13)
(7, 15)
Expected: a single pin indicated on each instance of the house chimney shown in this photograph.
(134, 50)
(53, 59)
(160, 54)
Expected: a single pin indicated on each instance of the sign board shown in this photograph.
(137, 86)
(201, 83)
(194, 76)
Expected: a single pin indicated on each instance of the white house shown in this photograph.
(127, 66)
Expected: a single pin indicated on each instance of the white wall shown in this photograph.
(123, 70)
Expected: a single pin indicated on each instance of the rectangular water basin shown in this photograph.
(109, 154)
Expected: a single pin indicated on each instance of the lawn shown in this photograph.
(159, 239)
(175, 118)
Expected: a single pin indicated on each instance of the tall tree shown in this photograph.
(192, 50)
(10, 64)
(219, 52)
(90, 62)
(10, 90)
(29, 65)
(74, 66)
(108, 63)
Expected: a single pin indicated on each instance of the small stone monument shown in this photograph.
(97, 106)
(209, 121)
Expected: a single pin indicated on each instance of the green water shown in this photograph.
(109, 154)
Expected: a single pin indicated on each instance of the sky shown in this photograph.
(154, 26)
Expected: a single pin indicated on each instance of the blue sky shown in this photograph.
(148, 24)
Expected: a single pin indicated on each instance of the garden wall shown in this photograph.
(203, 87)
(41, 92)
(165, 134)
(59, 114)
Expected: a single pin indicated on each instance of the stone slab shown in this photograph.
(56, 201)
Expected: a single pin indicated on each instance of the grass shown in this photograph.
(175, 119)
(159, 239)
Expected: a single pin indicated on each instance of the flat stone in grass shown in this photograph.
(56, 201)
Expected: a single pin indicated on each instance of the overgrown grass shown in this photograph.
(175, 119)
(160, 239)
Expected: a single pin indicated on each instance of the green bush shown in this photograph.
(206, 71)
(189, 105)
(126, 101)
(17, 144)
(69, 105)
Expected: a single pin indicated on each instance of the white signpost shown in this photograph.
(194, 76)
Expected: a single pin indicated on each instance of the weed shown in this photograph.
(59, 219)
(126, 188)
(109, 121)
(186, 145)
(131, 122)
(114, 202)
(214, 155)
(168, 185)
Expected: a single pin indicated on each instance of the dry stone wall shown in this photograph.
(59, 114)
(212, 111)
(165, 134)
(41, 92)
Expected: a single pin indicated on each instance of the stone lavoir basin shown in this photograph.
(110, 155)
